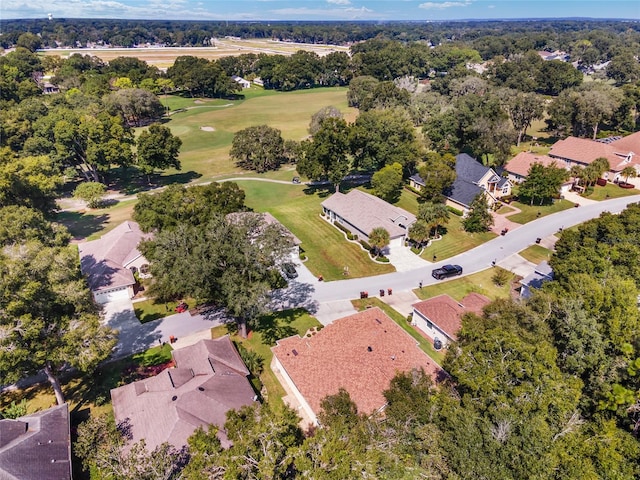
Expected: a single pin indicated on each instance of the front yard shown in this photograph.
(457, 289)
(455, 240)
(531, 212)
(610, 190)
(536, 254)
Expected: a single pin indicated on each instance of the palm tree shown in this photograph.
(379, 238)
(433, 214)
(576, 173)
(629, 172)
(419, 231)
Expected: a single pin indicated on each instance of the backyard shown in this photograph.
(268, 329)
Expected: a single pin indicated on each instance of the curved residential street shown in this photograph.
(308, 292)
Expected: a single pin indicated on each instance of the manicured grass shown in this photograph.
(298, 208)
(504, 209)
(207, 152)
(531, 212)
(270, 328)
(455, 240)
(610, 190)
(408, 201)
(88, 392)
(92, 224)
(149, 310)
(457, 289)
(424, 344)
(536, 254)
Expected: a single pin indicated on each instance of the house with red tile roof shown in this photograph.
(110, 262)
(620, 153)
(441, 317)
(518, 167)
(361, 353)
(360, 213)
(208, 380)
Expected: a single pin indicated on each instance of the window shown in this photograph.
(505, 190)
(133, 270)
(144, 268)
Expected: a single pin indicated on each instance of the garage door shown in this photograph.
(121, 293)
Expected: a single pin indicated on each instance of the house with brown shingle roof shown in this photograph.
(110, 262)
(440, 317)
(36, 446)
(360, 213)
(361, 353)
(208, 380)
(582, 152)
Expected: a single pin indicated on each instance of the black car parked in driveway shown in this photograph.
(289, 270)
(446, 271)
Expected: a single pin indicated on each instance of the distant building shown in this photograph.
(36, 446)
(258, 81)
(243, 83)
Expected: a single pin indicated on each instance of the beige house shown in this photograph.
(517, 168)
(620, 153)
(361, 353)
(208, 380)
(360, 213)
(110, 262)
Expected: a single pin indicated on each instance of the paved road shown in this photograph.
(474, 260)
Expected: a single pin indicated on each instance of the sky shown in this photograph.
(319, 9)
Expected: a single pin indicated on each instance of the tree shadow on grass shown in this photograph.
(131, 184)
(82, 225)
(278, 325)
(322, 191)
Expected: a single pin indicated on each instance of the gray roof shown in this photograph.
(104, 261)
(463, 192)
(366, 212)
(210, 379)
(268, 219)
(543, 273)
(36, 446)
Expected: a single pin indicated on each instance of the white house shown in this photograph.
(243, 83)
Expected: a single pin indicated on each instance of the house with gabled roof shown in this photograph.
(541, 274)
(517, 169)
(472, 179)
(269, 219)
(620, 153)
(36, 446)
(208, 380)
(110, 262)
(360, 353)
(360, 213)
(440, 317)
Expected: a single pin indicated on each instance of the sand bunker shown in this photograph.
(208, 129)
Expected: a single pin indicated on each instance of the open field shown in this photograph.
(298, 209)
(163, 57)
(207, 151)
(92, 223)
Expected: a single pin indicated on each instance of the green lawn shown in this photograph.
(298, 208)
(536, 254)
(270, 328)
(455, 240)
(424, 344)
(207, 152)
(149, 310)
(531, 212)
(457, 289)
(91, 224)
(610, 190)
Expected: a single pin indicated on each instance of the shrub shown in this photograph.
(15, 410)
(382, 259)
(365, 245)
(342, 227)
(350, 236)
(303, 256)
(501, 277)
(455, 211)
(411, 189)
(588, 191)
